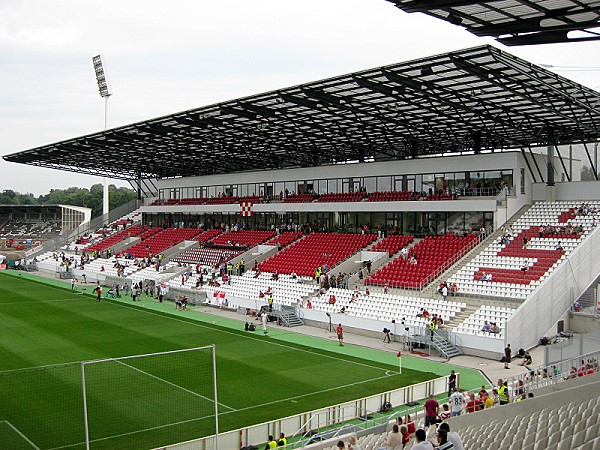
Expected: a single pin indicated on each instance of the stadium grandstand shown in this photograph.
(23, 226)
(438, 194)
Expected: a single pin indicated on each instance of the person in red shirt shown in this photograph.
(473, 404)
(432, 408)
(340, 334)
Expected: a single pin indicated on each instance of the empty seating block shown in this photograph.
(343, 197)
(157, 240)
(116, 238)
(207, 235)
(304, 256)
(393, 196)
(434, 254)
(206, 256)
(243, 238)
(285, 238)
(298, 198)
(392, 244)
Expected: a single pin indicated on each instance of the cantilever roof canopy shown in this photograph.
(517, 22)
(469, 100)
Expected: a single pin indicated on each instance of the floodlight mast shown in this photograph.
(105, 92)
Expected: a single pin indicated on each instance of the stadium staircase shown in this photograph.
(446, 348)
(287, 316)
(588, 298)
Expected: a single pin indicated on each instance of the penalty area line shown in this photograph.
(173, 384)
(16, 430)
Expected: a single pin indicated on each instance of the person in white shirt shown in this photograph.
(352, 445)
(457, 403)
(453, 436)
(263, 318)
(421, 441)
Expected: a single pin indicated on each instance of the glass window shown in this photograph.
(370, 184)
(384, 184)
(333, 185)
(322, 187)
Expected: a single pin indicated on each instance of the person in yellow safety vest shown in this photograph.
(271, 443)
(237, 268)
(270, 300)
(242, 266)
(503, 396)
(431, 328)
(282, 441)
(318, 273)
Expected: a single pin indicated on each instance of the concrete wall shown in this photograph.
(539, 314)
(574, 191)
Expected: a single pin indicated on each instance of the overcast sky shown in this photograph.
(163, 57)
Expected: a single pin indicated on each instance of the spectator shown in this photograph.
(405, 435)
(421, 441)
(457, 402)
(527, 360)
(486, 327)
(410, 425)
(488, 401)
(443, 443)
(432, 409)
(445, 413)
(340, 445)
(352, 444)
(453, 289)
(452, 436)
(473, 404)
(393, 441)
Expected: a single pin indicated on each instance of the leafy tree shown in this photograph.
(587, 174)
(74, 196)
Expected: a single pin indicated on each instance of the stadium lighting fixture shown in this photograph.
(105, 92)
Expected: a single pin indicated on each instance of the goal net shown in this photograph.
(152, 400)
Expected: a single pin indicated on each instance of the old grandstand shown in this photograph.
(434, 197)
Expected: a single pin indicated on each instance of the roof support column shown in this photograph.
(550, 187)
(139, 186)
(105, 205)
(477, 142)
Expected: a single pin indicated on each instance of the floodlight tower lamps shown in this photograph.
(105, 91)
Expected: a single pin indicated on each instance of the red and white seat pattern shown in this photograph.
(506, 263)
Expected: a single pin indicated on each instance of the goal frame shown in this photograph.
(212, 347)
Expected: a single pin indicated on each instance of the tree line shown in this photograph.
(74, 196)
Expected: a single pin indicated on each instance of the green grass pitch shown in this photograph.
(45, 331)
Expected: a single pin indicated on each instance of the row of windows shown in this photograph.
(424, 183)
(414, 223)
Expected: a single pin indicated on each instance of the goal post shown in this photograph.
(150, 400)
